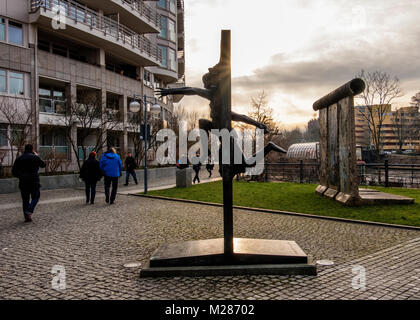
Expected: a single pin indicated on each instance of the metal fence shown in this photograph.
(372, 174)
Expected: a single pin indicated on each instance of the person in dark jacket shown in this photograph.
(197, 168)
(91, 174)
(210, 166)
(26, 169)
(111, 167)
(130, 167)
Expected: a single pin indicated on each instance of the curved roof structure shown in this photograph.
(304, 151)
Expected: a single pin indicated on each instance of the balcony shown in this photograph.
(135, 13)
(90, 26)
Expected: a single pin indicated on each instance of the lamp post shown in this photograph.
(155, 109)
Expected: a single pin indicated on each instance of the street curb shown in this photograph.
(305, 215)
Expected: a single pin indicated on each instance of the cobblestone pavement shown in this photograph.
(94, 242)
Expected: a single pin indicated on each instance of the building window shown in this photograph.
(172, 6)
(16, 83)
(162, 4)
(15, 31)
(164, 56)
(2, 29)
(3, 136)
(147, 78)
(172, 59)
(171, 30)
(43, 45)
(59, 50)
(3, 81)
(164, 28)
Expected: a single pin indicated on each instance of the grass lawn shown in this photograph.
(301, 198)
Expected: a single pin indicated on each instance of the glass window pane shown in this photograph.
(164, 56)
(3, 136)
(2, 29)
(164, 28)
(172, 60)
(162, 4)
(16, 136)
(60, 139)
(171, 30)
(44, 92)
(172, 6)
(16, 83)
(44, 45)
(3, 87)
(45, 105)
(15, 33)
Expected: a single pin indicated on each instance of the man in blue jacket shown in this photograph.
(111, 166)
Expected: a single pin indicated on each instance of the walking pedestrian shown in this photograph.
(111, 167)
(130, 167)
(197, 168)
(209, 166)
(26, 169)
(91, 173)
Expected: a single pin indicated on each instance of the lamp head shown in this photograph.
(135, 106)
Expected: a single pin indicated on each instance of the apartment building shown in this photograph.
(400, 128)
(54, 53)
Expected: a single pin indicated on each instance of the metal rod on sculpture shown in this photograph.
(227, 172)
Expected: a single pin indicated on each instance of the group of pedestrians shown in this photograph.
(26, 169)
(197, 167)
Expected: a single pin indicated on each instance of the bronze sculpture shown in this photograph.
(212, 82)
(218, 256)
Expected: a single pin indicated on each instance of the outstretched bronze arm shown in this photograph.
(245, 119)
(188, 91)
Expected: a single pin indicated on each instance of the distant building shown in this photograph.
(107, 49)
(399, 127)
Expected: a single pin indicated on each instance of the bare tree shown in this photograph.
(311, 133)
(87, 116)
(261, 112)
(381, 91)
(16, 114)
(415, 100)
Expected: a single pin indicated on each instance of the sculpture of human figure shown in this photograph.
(211, 81)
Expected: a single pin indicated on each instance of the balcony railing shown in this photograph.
(88, 150)
(91, 18)
(58, 152)
(145, 11)
(52, 106)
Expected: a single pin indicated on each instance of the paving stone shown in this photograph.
(94, 242)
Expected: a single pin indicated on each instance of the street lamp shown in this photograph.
(155, 109)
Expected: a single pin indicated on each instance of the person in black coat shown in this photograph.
(91, 174)
(130, 167)
(26, 169)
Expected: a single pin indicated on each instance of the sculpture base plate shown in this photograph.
(207, 258)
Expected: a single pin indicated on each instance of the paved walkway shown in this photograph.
(93, 243)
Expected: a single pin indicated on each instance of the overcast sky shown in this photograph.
(299, 50)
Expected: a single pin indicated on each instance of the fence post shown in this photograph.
(266, 172)
(412, 175)
(301, 171)
(386, 173)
